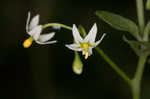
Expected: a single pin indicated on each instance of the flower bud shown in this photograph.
(28, 42)
(77, 64)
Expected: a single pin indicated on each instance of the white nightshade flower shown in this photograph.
(34, 30)
(85, 44)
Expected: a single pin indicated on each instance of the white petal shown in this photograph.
(34, 22)
(74, 47)
(99, 41)
(92, 34)
(76, 34)
(42, 43)
(27, 24)
(90, 51)
(35, 32)
(46, 37)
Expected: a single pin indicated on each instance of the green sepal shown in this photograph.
(82, 31)
(119, 22)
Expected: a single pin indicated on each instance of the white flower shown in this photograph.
(34, 30)
(85, 45)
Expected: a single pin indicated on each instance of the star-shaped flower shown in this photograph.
(34, 30)
(85, 45)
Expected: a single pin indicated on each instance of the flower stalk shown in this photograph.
(113, 65)
(57, 25)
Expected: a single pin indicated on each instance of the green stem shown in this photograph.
(140, 67)
(140, 14)
(146, 32)
(113, 65)
(136, 82)
(57, 24)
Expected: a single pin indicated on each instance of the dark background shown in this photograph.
(45, 71)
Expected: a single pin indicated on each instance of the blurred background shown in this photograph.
(45, 71)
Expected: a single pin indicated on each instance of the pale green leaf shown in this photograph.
(119, 22)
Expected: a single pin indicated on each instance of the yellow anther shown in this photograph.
(85, 53)
(27, 43)
(85, 47)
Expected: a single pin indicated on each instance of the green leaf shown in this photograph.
(147, 31)
(82, 30)
(119, 22)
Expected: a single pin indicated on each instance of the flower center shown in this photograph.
(27, 43)
(85, 47)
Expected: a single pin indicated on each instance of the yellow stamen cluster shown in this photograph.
(85, 47)
(27, 43)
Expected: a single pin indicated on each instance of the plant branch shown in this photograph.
(136, 82)
(140, 14)
(113, 65)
